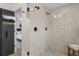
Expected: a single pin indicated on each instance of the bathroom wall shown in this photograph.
(62, 29)
(65, 28)
(25, 30)
(38, 39)
(18, 33)
(21, 17)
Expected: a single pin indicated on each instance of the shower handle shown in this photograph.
(6, 34)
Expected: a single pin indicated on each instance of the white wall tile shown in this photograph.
(65, 23)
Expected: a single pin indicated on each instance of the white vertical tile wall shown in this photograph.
(39, 19)
(25, 33)
(65, 28)
(62, 26)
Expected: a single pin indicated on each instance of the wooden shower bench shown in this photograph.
(73, 50)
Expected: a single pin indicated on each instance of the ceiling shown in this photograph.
(52, 6)
(10, 6)
(15, 6)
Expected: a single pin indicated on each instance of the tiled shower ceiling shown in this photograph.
(51, 6)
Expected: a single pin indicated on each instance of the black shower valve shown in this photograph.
(37, 7)
(28, 9)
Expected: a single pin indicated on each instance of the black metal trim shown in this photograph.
(19, 40)
(9, 20)
(18, 29)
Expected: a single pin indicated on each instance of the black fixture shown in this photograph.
(20, 25)
(47, 13)
(37, 7)
(6, 34)
(46, 28)
(28, 53)
(19, 40)
(28, 9)
(18, 29)
(35, 28)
